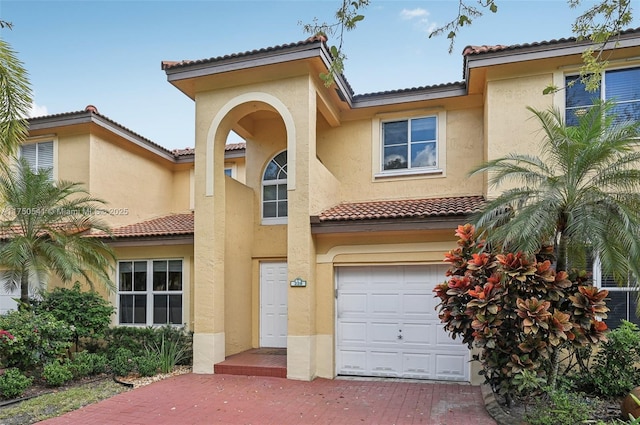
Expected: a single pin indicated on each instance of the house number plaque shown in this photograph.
(298, 282)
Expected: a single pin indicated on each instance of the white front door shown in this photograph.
(387, 325)
(273, 304)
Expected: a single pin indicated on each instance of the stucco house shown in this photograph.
(325, 232)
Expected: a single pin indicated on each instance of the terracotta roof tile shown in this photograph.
(476, 50)
(409, 208)
(169, 225)
(192, 151)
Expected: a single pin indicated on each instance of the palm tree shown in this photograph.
(582, 192)
(43, 231)
(15, 99)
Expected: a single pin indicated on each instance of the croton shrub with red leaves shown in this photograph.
(517, 309)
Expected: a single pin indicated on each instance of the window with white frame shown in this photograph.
(274, 190)
(150, 292)
(622, 86)
(410, 144)
(622, 300)
(38, 155)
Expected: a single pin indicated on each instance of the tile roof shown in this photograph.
(477, 50)
(166, 65)
(168, 225)
(409, 208)
(192, 151)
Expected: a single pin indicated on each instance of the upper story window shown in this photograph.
(622, 86)
(410, 144)
(150, 292)
(38, 155)
(274, 190)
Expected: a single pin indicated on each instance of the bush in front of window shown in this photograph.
(123, 362)
(615, 370)
(148, 365)
(85, 363)
(86, 312)
(139, 340)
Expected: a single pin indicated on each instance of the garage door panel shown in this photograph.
(417, 334)
(354, 362)
(376, 305)
(417, 365)
(417, 305)
(383, 332)
(353, 333)
(352, 305)
(384, 304)
(384, 363)
(450, 367)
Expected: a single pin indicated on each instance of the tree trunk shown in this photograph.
(24, 288)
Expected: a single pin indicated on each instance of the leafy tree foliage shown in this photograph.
(517, 309)
(86, 312)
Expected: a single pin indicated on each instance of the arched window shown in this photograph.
(274, 190)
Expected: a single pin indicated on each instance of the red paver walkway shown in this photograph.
(234, 400)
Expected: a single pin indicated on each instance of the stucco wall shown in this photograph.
(73, 159)
(238, 275)
(136, 187)
(510, 126)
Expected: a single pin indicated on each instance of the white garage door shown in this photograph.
(387, 325)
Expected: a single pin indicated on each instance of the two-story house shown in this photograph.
(331, 236)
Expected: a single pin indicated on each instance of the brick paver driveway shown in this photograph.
(233, 400)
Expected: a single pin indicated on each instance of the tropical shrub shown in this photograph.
(140, 340)
(122, 363)
(148, 365)
(517, 309)
(615, 371)
(559, 408)
(37, 339)
(86, 312)
(85, 363)
(13, 383)
(170, 352)
(57, 373)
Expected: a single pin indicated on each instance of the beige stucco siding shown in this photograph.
(73, 159)
(351, 153)
(238, 273)
(510, 126)
(136, 187)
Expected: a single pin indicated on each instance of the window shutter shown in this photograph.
(45, 156)
(28, 153)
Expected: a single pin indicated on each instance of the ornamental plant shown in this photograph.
(516, 309)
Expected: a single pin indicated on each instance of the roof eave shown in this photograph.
(87, 117)
(386, 225)
(542, 51)
(408, 96)
(297, 52)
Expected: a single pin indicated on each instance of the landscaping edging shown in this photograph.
(494, 409)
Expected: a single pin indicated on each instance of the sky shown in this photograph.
(108, 53)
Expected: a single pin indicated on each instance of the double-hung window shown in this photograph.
(621, 86)
(150, 292)
(410, 144)
(39, 156)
